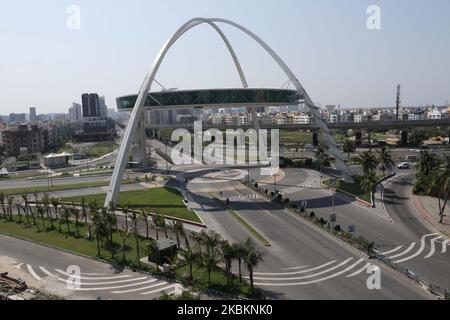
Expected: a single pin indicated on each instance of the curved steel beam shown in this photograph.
(116, 180)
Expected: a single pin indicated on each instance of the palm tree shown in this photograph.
(240, 251)
(440, 186)
(252, 259)
(10, 201)
(46, 203)
(18, 212)
(321, 156)
(96, 222)
(134, 228)
(40, 210)
(65, 216)
(368, 161)
(211, 240)
(228, 255)
(175, 230)
(369, 182)
(83, 210)
(190, 257)
(209, 261)
(25, 210)
(55, 203)
(2, 201)
(144, 216)
(155, 223)
(426, 163)
(348, 147)
(112, 209)
(125, 213)
(123, 234)
(76, 214)
(182, 231)
(385, 158)
(199, 236)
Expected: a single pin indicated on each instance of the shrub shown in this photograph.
(312, 215)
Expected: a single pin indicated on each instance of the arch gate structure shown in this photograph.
(136, 124)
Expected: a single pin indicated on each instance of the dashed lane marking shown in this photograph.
(296, 272)
(392, 251)
(403, 252)
(295, 268)
(418, 252)
(433, 247)
(359, 271)
(33, 273)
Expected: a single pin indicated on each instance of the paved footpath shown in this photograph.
(429, 209)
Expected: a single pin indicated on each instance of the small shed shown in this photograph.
(57, 159)
(165, 250)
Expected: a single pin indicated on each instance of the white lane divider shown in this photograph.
(359, 270)
(307, 276)
(418, 252)
(295, 268)
(392, 251)
(403, 252)
(140, 289)
(433, 247)
(34, 274)
(93, 278)
(159, 290)
(312, 281)
(444, 246)
(296, 272)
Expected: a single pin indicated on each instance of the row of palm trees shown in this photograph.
(433, 175)
(369, 162)
(211, 249)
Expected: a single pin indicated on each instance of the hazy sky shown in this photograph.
(325, 42)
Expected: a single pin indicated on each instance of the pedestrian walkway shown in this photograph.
(428, 208)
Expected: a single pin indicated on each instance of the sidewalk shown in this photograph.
(428, 208)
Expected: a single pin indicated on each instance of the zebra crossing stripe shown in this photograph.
(139, 289)
(34, 274)
(433, 247)
(159, 290)
(444, 246)
(297, 272)
(312, 281)
(359, 271)
(309, 275)
(392, 251)
(418, 252)
(92, 278)
(404, 252)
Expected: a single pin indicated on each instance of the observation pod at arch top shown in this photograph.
(211, 98)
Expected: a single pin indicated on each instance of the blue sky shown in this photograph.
(325, 42)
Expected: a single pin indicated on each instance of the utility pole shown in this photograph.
(398, 102)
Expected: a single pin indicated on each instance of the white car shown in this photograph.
(403, 165)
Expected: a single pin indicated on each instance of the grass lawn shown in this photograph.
(166, 201)
(353, 188)
(65, 240)
(31, 189)
(71, 241)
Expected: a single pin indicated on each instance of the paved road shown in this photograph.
(302, 262)
(47, 269)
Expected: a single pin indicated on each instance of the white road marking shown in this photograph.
(312, 281)
(19, 265)
(433, 247)
(143, 288)
(295, 268)
(307, 276)
(297, 272)
(34, 274)
(392, 251)
(159, 290)
(359, 271)
(94, 274)
(111, 282)
(93, 278)
(444, 246)
(403, 252)
(418, 252)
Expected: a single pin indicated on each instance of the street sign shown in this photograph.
(304, 204)
(351, 229)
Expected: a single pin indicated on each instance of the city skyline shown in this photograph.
(347, 64)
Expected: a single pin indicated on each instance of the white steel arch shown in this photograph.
(124, 150)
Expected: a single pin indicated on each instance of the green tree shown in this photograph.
(385, 158)
(2, 201)
(369, 182)
(368, 161)
(209, 261)
(240, 251)
(348, 147)
(440, 186)
(40, 210)
(252, 260)
(228, 255)
(65, 217)
(190, 257)
(426, 163)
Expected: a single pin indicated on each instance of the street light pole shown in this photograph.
(332, 203)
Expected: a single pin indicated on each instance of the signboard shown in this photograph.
(333, 217)
(351, 229)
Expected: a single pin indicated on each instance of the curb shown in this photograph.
(420, 211)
